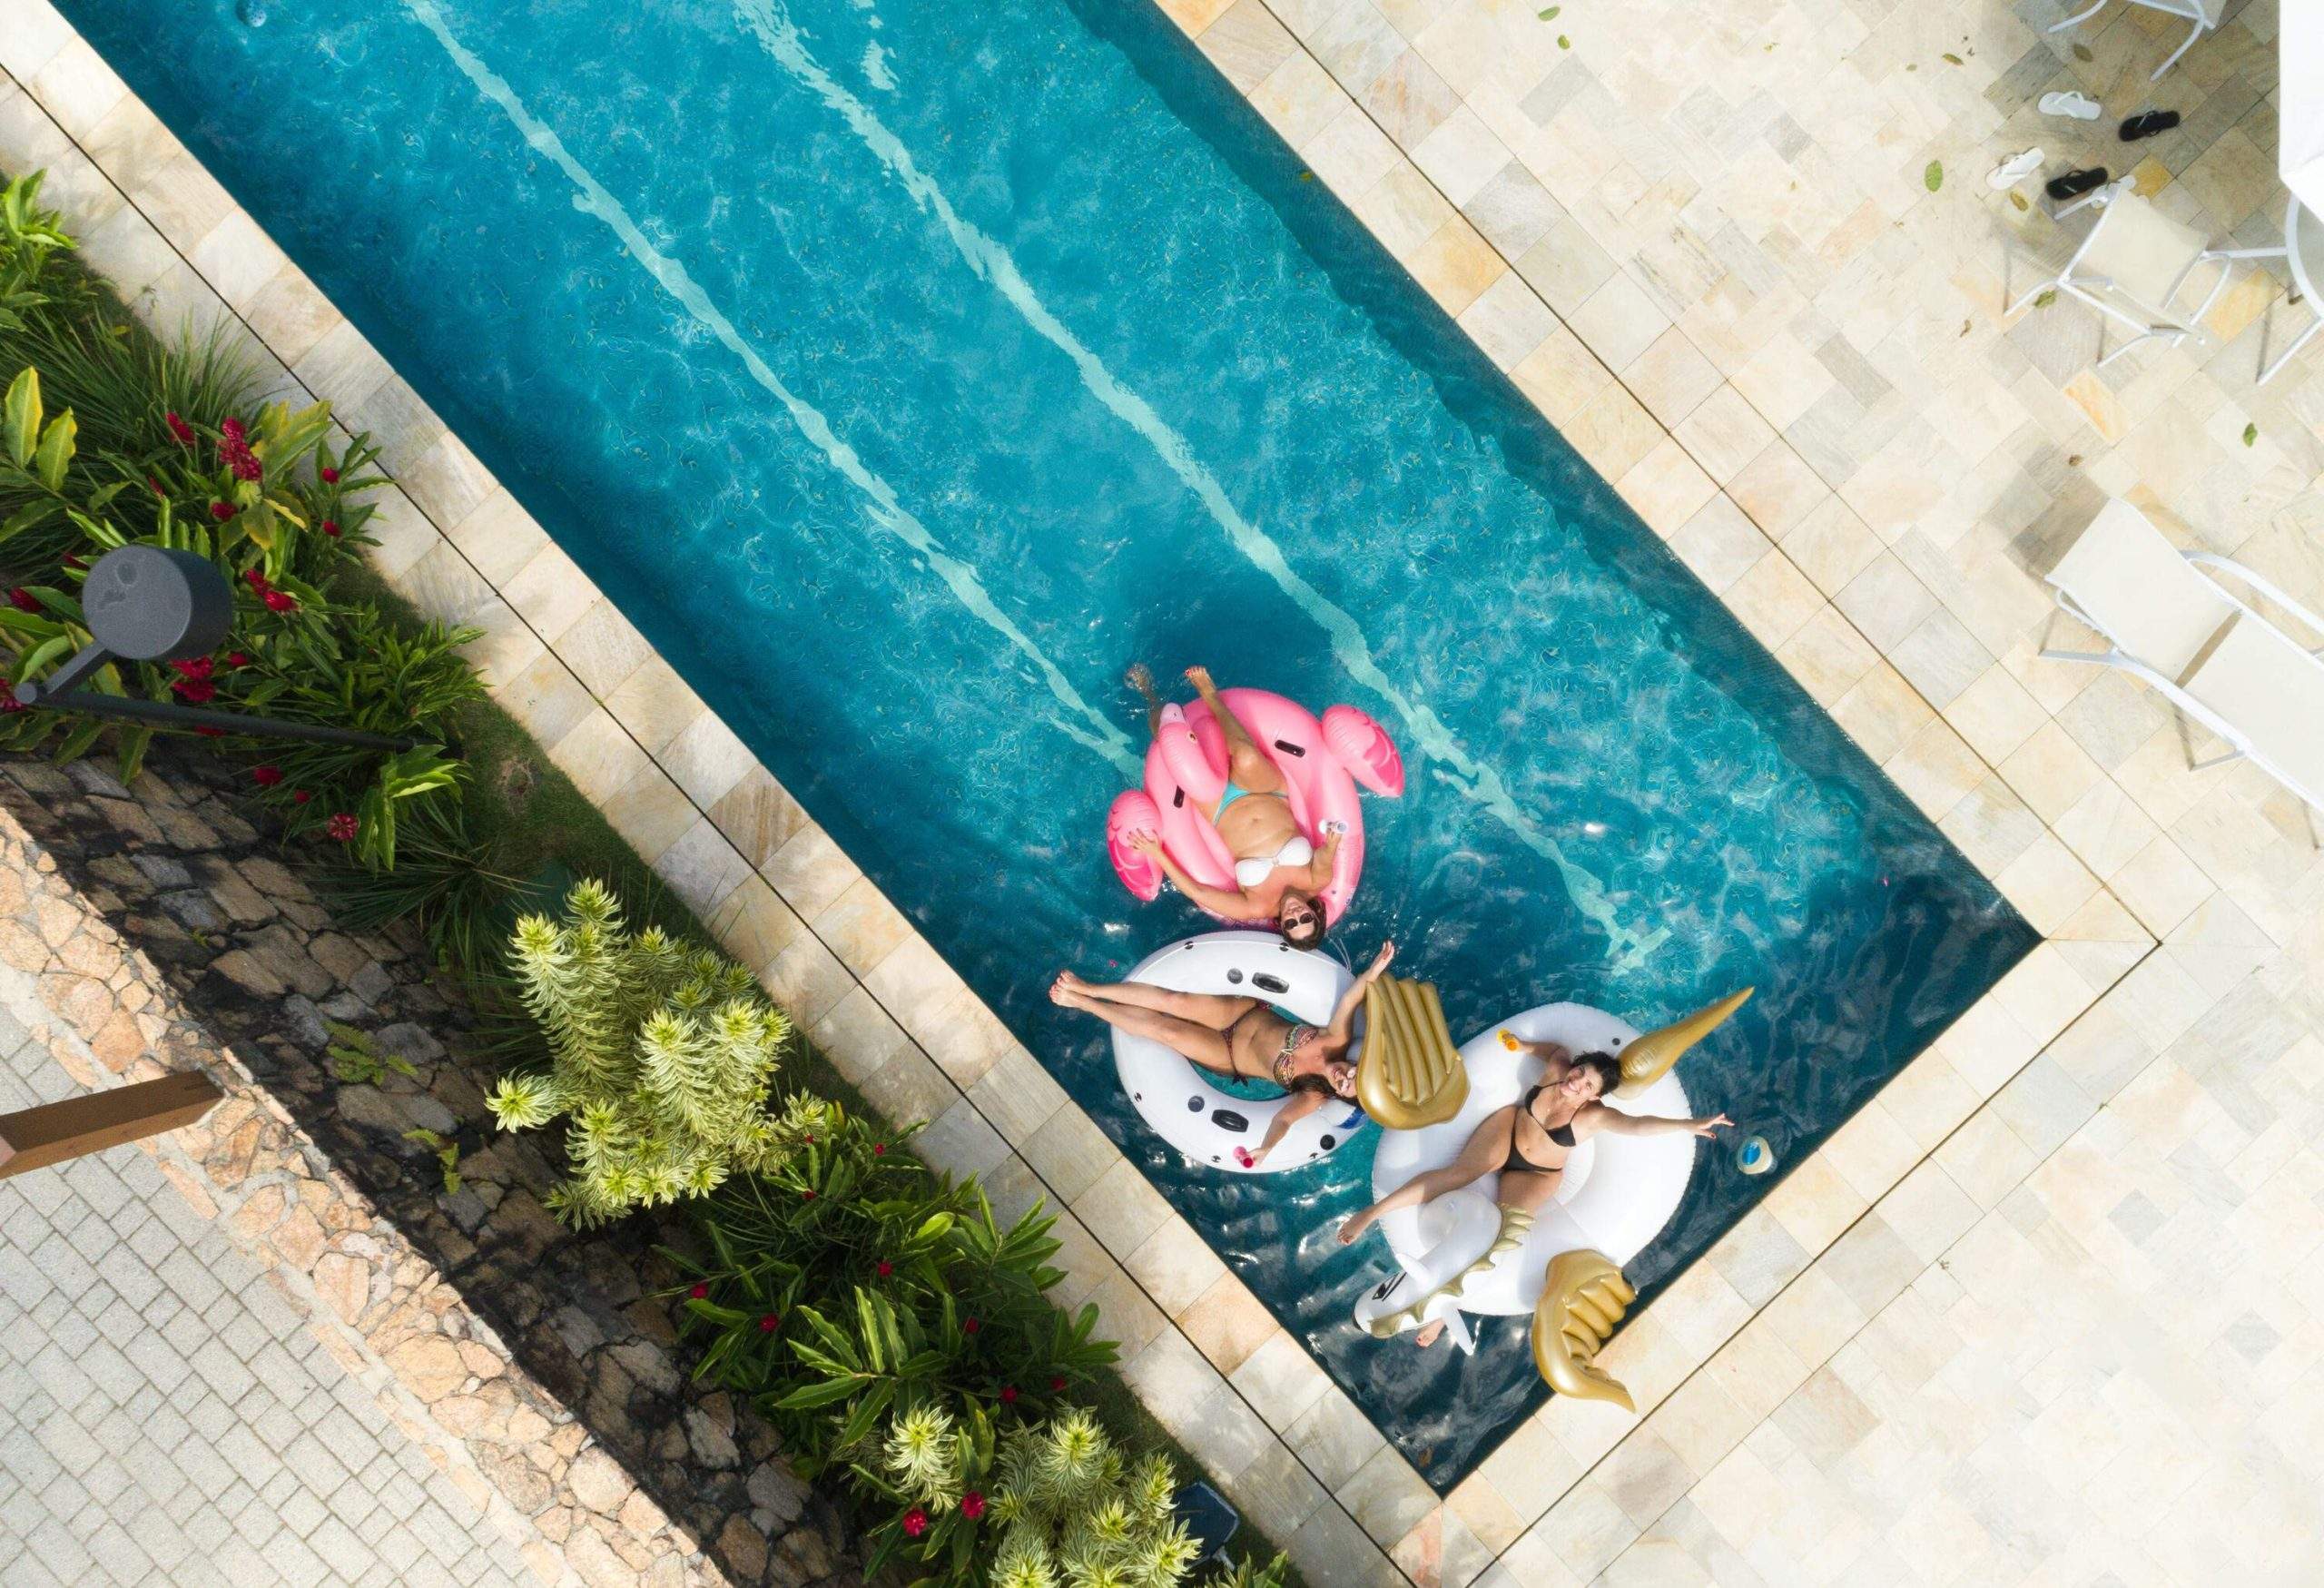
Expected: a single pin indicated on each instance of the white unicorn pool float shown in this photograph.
(1460, 1254)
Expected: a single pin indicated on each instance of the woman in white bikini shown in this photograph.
(1277, 873)
(1241, 1037)
(1528, 1143)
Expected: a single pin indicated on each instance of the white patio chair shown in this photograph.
(2206, 15)
(2131, 266)
(2199, 644)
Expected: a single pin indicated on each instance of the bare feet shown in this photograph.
(1200, 678)
(1429, 1333)
(1352, 1227)
(1140, 677)
(1068, 990)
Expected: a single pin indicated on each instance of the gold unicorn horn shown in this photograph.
(1583, 1299)
(1647, 1058)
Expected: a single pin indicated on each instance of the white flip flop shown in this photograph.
(2014, 170)
(2076, 104)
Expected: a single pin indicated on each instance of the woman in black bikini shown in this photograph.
(1240, 1036)
(1528, 1142)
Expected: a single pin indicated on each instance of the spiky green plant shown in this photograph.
(1068, 1510)
(663, 1056)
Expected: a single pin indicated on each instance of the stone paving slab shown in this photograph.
(169, 1415)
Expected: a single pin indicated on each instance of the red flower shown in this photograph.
(154, 486)
(806, 1195)
(885, 1270)
(192, 667)
(238, 658)
(22, 600)
(231, 430)
(221, 511)
(342, 827)
(972, 1505)
(75, 562)
(330, 477)
(180, 428)
(879, 1149)
(1057, 1383)
(245, 464)
(194, 691)
(9, 704)
(276, 601)
(767, 1322)
(330, 528)
(299, 796)
(257, 581)
(698, 1291)
(266, 776)
(970, 1325)
(809, 1138)
(1008, 1394)
(915, 1523)
(212, 732)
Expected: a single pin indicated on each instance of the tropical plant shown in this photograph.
(663, 1056)
(1046, 1504)
(29, 236)
(444, 879)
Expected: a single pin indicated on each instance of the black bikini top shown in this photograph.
(1562, 1135)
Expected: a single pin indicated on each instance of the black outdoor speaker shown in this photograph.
(147, 603)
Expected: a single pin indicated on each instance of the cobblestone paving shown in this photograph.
(167, 1416)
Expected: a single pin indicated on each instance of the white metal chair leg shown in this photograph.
(2078, 17)
(2181, 50)
(2291, 352)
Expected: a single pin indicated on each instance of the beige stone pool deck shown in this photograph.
(2047, 1308)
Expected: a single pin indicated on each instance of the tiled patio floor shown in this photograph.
(2051, 1279)
(167, 1416)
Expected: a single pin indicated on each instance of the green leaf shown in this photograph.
(2250, 434)
(822, 1394)
(2081, 52)
(1564, 43)
(2045, 299)
(26, 518)
(2019, 199)
(22, 410)
(1952, 57)
(1552, 13)
(937, 1225)
(55, 450)
(1933, 177)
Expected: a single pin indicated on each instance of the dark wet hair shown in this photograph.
(1321, 1084)
(1609, 1072)
(1311, 936)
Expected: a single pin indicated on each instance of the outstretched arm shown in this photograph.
(1295, 1108)
(1598, 1117)
(1342, 1029)
(1236, 905)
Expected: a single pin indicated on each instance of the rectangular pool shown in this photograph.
(905, 370)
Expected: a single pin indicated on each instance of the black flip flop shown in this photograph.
(2148, 125)
(2074, 184)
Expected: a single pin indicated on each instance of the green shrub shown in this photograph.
(1047, 1505)
(663, 1056)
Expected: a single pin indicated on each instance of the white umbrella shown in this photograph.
(2300, 152)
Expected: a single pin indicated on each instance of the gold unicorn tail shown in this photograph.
(1647, 1058)
(1411, 1074)
(1582, 1301)
(1514, 1223)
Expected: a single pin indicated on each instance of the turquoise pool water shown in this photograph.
(907, 369)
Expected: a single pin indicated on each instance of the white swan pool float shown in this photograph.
(1183, 1102)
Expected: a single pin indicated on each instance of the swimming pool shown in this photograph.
(906, 370)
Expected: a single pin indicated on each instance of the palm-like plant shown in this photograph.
(663, 1056)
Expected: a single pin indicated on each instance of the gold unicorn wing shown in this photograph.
(1647, 1058)
(1582, 1302)
(1411, 1074)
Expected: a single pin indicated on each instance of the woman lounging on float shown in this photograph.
(1279, 874)
(1241, 1037)
(1527, 1143)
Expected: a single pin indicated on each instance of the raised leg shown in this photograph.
(1203, 1044)
(1247, 764)
(1216, 1009)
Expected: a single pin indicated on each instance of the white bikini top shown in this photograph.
(1251, 872)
